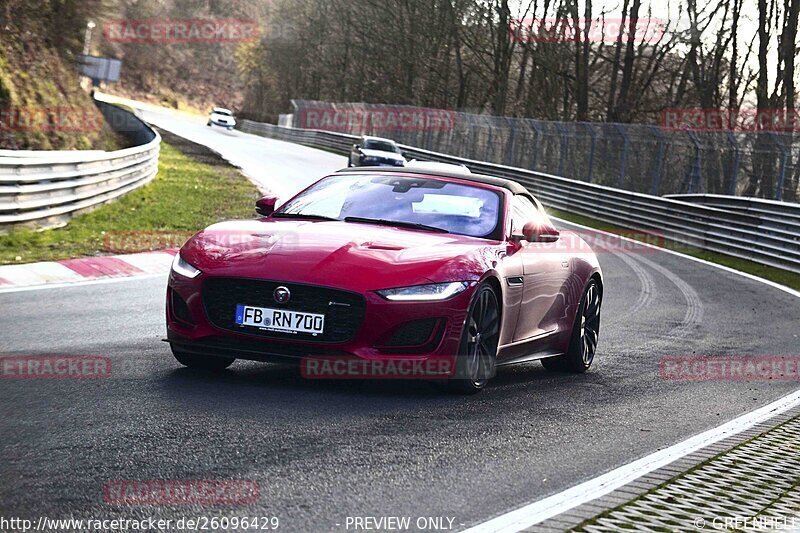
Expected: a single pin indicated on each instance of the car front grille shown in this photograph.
(343, 310)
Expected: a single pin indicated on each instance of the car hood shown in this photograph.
(347, 255)
(380, 153)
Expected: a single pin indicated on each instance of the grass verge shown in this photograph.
(194, 188)
(784, 277)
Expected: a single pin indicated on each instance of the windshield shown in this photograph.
(453, 207)
(222, 112)
(383, 146)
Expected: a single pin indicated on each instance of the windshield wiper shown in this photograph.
(301, 215)
(398, 223)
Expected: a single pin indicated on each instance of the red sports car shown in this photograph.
(389, 272)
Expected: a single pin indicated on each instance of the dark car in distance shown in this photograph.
(375, 151)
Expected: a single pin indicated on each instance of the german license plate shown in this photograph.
(281, 320)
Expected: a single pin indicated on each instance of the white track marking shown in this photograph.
(537, 512)
(556, 504)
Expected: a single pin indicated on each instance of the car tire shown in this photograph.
(585, 332)
(202, 362)
(477, 353)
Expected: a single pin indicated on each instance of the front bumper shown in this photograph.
(403, 333)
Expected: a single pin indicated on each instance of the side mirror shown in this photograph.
(356, 146)
(266, 205)
(538, 232)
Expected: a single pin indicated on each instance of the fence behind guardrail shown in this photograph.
(635, 157)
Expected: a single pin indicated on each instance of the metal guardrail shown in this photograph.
(748, 234)
(46, 188)
(780, 214)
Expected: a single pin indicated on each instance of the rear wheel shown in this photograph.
(585, 332)
(477, 354)
(202, 362)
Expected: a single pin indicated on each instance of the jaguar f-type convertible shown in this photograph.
(389, 272)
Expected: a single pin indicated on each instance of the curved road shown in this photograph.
(323, 451)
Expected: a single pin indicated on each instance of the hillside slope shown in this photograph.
(42, 106)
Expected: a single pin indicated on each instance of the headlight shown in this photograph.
(179, 266)
(425, 293)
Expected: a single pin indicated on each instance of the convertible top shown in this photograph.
(511, 185)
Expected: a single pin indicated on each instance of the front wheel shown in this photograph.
(585, 332)
(477, 354)
(202, 362)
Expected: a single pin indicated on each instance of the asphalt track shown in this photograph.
(323, 451)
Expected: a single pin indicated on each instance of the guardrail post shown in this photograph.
(590, 163)
(510, 145)
(537, 141)
(623, 162)
(782, 166)
(295, 113)
(734, 167)
(489, 140)
(692, 181)
(655, 178)
(469, 146)
(562, 153)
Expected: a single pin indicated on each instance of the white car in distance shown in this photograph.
(220, 116)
